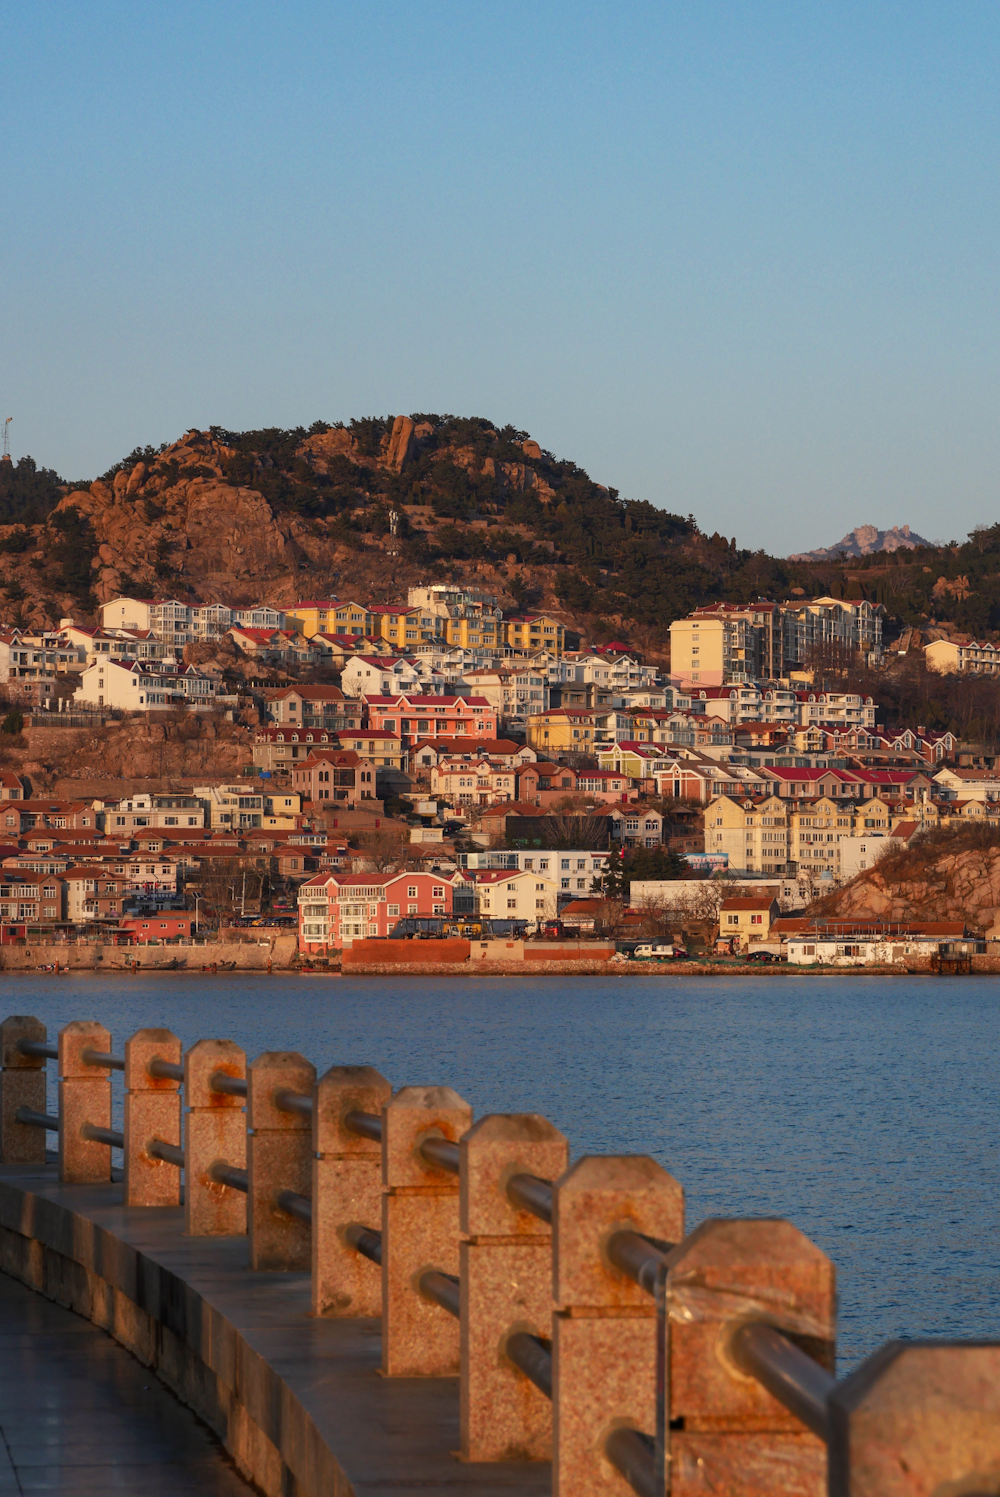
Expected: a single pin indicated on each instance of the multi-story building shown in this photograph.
(524, 632)
(515, 694)
(951, 657)
(139, 686)
(123, 817)
(337, 775)
(730, 642)
(416, 717)
(574, 870)
(840, 627)
(177, 623)
(373, 675)
(231, 807)
(313, 707)
(516, 894)
(564, 730)
(476, 783)
(463, 618)
(335, 909)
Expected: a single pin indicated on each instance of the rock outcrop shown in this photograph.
(865, 540)
(947, 876)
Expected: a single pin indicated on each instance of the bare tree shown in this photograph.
(383, 850)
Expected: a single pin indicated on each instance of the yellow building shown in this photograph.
(534, 631)
(401, 627)
(562, 730)
(747, 919)
(473, 631)
(330, 616)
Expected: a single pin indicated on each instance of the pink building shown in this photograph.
(337, 909)
(166, 927)
(433, 717)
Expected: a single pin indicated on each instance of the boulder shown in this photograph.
(400, 448)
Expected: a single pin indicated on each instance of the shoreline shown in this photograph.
(481, 970)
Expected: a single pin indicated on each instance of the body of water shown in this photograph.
(864, 1110)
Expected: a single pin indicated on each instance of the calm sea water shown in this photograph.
(865, 1110)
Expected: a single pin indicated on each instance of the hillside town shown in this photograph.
(440, 767)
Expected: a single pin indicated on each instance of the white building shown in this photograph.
(123, 817)
(137, 686)
(179, 623)
(508, 894)
(574, 870)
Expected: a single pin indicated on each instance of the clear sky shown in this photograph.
(738, 259)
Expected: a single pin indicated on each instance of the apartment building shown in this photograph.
(139, 686)
(475, 783)
(841, 627)
(714, 648)
(523, 632)
(231, 807)
(949, 657)
(515, 695)
(416, 717)
(335, 910)
(464, 618)
(176, 623)
(123, 817)
(516, 894)
(724, 643)
(337, 775)
(374, 675)
(313, 707)
(563, 730)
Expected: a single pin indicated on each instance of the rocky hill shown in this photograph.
(371, 507)
(867, 540)
(947, 875)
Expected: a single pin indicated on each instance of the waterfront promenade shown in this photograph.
(360, 1282)
(80, 1417)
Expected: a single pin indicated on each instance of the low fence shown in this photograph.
(582, 1322)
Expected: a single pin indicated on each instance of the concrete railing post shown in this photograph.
(279, 1157)
(728, 1433)
(84, 1097)
(506, 1278)
(346, 1191)
(918, 1417)
(152, 1110)
(419, 1231)
(605, 1327)
(214, 1130)
(22, 1084)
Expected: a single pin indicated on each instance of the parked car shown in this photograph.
(762, 956)
(655, 951)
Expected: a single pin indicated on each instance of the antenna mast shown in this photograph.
(6, 439)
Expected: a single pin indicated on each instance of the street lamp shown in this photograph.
(197, 901)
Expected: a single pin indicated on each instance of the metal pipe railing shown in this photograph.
(365, 1125)
(103, 1058)
(365, 1240)
(639, 1257)
(32, 1119)
(286, 1101)
(228, 1086)
(786, 1371)
(529, 1193)
(296, 1205)
(169, 1153)
(633, 1456)
(165, 1070)
(532, 1355)
(440, 1152)
(441, 1289)
(39, 1048)
(228, 1174)
(97, 1135)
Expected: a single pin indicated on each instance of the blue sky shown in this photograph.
(736, 259)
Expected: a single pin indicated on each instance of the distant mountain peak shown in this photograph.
(865, 540)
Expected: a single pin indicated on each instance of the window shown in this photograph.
(411, 892)
(512, 904)
(394, 909)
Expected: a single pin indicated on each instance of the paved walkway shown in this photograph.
(78, 1414)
